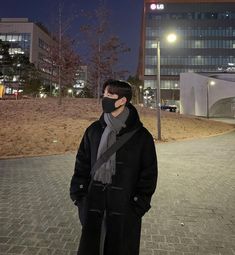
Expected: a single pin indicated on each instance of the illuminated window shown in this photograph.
(2, 37)
(150, 71)
(9, 38)
(149, 84)
(16, 51)
(14, 38)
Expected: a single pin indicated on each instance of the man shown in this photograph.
(113, 199)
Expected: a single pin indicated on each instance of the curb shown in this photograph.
(194, 138)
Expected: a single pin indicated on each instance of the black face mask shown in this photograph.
(108, 104)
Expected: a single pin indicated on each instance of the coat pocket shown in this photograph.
(140, 207)
(96, 198)
(116, 200)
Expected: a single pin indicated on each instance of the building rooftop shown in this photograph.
(13, 20)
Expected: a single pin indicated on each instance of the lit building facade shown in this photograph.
(25, 37)
(30, 39)
(81, 80)
(205, 31)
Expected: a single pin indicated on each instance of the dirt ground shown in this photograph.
(41, 127)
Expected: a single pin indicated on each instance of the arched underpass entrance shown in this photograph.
(223, 108)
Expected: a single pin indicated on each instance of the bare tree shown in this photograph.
(62, 61)
(104, 50)
(137, 88)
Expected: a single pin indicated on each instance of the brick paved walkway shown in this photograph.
(192, 210)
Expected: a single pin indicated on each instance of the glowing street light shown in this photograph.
(209, 83)
(171, 38)
(212, 83)
(70, 92)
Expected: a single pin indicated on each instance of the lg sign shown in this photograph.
(157, 6)
(160, 6)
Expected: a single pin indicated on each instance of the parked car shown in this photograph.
(169, 108)
(13, 96)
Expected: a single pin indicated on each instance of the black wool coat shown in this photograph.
(126, 199)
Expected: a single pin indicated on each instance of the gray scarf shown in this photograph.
(114, 125)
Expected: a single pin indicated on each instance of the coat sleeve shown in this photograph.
(81, 177)
(147, 180)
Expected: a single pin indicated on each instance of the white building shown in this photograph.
(208, 94)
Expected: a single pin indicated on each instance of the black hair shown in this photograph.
(119, 87)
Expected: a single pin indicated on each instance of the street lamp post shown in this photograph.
(140, 94)
(209, 83)
(171, 38)
(158, 92)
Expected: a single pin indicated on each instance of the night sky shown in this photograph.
(125, 19)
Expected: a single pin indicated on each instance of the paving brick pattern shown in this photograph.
(192, 211)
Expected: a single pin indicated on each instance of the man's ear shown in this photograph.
(123, 100)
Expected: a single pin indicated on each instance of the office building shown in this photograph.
(205, 31)
(28, 38)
